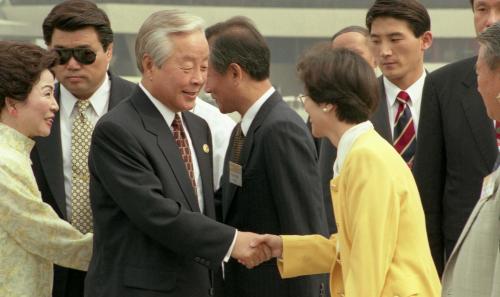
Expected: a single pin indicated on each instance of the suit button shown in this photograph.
(197, 259)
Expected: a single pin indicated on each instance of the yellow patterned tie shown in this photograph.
(81, 132)
(238, 142)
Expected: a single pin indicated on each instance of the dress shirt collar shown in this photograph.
(248, 117)
(16, 140)
(415, 90)
(98, 100)
(346, 142)
(165, 112)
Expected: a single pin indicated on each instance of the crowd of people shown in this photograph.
(110, 188)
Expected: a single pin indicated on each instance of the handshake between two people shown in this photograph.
(251, 249)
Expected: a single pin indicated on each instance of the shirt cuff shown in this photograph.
(230, 251)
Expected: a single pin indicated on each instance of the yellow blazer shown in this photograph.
(381, 247)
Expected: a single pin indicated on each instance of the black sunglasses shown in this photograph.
(82, 55)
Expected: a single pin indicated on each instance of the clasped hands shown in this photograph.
(252, 249)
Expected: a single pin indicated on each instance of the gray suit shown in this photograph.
(473, 269)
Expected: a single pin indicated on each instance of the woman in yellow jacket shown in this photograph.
(381, 247)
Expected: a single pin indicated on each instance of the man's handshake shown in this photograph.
(252, 249)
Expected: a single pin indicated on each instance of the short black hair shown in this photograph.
(73, 15)
(237, 40)
(410, 11)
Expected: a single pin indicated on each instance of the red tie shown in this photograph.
(182, 143)
(405, 141)
(497, 130)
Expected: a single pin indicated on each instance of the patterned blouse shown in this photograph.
(32, 236)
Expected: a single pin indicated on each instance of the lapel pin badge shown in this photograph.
(206, 149)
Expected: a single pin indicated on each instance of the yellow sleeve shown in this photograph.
(371, 221)
(35, 226)
(305, 255)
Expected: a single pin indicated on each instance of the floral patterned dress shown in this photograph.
(32, 236)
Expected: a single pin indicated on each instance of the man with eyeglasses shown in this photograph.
(81, 34)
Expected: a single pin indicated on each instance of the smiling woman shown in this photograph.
(32, 235)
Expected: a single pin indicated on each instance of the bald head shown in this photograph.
(356, 39)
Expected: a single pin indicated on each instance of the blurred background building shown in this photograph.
(290, 27)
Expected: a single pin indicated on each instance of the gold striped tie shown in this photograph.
(81, 132)
(238, 142)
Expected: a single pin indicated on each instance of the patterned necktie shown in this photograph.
(405, 140)
(182, 143)
(238, 141)
(81, 132)
(497, 131)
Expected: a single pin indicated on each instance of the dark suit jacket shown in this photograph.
(281, 194)
(456, 149)
(48, 169)
(150, 238)
(328, 153)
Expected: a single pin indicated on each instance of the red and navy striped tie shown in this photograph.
(405, 140)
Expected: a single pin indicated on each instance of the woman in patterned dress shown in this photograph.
(32, 236)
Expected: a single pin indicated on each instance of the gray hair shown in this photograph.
(154, 35)
(490, 39)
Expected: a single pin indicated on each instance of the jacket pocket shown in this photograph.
(403, 288)
(149, 279)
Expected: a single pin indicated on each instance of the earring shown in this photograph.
(498, 98)
(324, 109)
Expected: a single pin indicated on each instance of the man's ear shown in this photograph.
(426, 40)
(235, 71)
(148, 66)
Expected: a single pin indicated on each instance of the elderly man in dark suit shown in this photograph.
(81, 34)
(457, 146)
(151, 183)
(270, 182)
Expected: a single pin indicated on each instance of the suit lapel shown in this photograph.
(246, 151)
(380, 117)
(118, 91)
(50, 154)
(156, 125)
(199, 141)
(473, 216)
(475, 113)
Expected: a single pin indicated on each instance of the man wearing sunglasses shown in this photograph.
(81, 34)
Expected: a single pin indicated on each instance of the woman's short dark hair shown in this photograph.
(342, 78)
(73, 15)
(21, 67)
(410, 11)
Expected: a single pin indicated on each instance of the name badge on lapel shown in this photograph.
(488, 186)
(235, 174)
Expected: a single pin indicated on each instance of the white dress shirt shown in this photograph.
(415, 92)
(99, 103)
(345, 143)
(221, 126)
(249, 116)
(168, 116)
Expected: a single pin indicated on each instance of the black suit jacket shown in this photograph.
(48, 169)
(328, 153)
(281, 194)
(150, 238)
(456, 149)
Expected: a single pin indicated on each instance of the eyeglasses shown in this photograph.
(82, 55)
(302, 98)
